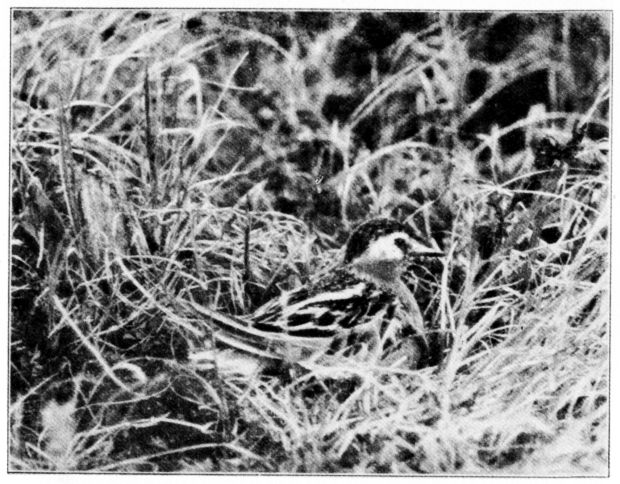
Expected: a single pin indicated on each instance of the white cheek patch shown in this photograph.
(384, 248)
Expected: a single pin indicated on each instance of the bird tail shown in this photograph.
(237, 334)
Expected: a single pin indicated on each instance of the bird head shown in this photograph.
(379, 247)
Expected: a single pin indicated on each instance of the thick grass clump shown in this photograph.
(166, 158)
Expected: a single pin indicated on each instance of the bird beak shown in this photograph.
(429, 253)
(421, 250)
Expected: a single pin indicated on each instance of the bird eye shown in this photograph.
(402, 244)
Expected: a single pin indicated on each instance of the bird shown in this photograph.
(350, 314)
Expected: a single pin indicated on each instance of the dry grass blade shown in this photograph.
(66, 317)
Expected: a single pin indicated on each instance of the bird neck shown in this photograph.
(387, 275)
(383, 273)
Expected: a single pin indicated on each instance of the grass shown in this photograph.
(165, 157)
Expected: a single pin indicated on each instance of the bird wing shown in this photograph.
(332, 306)
(302, 320)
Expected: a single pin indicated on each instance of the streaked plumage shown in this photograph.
(355, 312)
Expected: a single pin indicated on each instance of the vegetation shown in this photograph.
(169, 156)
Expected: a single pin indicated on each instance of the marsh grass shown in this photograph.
(142, 178)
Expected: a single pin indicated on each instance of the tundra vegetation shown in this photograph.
(169, 156)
